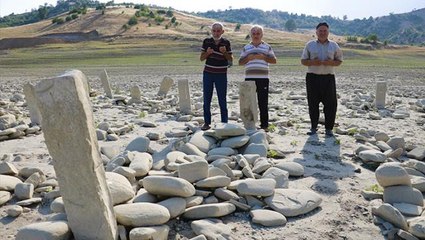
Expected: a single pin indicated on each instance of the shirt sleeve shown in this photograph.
(204, 46)
(228, 47)
(306, 54)
(338, 53)
(271, 52)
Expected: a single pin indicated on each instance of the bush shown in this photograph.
(173, 19)
(125, 26)
(160, 11)
(169, 13)
(132, 21)
(352, 39)
(238, 27)
(159, 19)
(68, 18)
(74, 16)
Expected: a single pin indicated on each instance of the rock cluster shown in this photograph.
(204, 177)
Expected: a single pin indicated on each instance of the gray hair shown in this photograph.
(256, 27)
(217, 24)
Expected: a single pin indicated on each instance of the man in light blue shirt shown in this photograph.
(321, 56)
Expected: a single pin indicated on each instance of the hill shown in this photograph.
(122, 23)
(406, 28)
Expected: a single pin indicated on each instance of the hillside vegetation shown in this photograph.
(406, 28)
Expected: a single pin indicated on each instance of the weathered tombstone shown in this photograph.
(105, 83)
(166, 84)
(35, 114)
(248, 104)
(184, 97)
(381, 91)
(135, 95)
(71, 140)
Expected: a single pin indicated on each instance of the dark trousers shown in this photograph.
(321, 88)
(220, 82)
(263, 99)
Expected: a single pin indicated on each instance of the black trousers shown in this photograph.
(321, 88)
(263, 99)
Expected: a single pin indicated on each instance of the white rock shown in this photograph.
(168, 186)
(267, 218)
(50, 230)
(154, 232)
(211, 228)
(141, 214)
(391, 174)
(209, 211)
(293, 202)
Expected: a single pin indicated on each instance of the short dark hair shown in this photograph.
(322, 24)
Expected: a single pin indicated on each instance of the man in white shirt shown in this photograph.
(256, 56)
(321, 56)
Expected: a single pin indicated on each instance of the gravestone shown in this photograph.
(184, 97)
(166, 85)
(135, 95)
(105, 83)
(70, 136)
(35, 114)
(248, 104)
(381, 91)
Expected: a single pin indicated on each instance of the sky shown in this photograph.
(336, 8)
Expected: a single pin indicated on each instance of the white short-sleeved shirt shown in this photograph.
(257, 68)
(322, 51)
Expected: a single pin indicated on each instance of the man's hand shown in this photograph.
(222, 49)
(209, 51)
(316, 62)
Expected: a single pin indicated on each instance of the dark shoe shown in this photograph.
(329, 133)
(312, 132)
(205, 127)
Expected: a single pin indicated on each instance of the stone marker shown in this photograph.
(35, 115)
(381, 91)
(184, 97)
(71, 140)
(135, 95)
(166, 84)
(104, 78)
(248, 104)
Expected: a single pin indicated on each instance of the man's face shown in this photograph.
(256, 35)
(217, 31)
(322, 33)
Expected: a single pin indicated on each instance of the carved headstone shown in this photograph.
(381, 91)
(166, 85)
(68, 127)
(105, 83)
(184, 97)
(248, 104)
(35, 114)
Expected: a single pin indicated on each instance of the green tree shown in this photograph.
(373, 38)
(290, 25)
(43, 11)
(238, 27)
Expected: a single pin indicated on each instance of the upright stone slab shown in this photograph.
(248, 104)
(184, 97)
(381, 91)
(70, 136)
(35, 114)
(135, 95)
(105, 83)
(166, 85)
